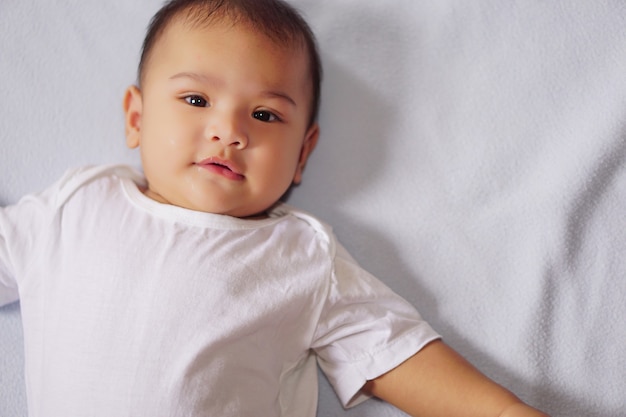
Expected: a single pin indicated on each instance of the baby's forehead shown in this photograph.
(279, 35)
(182, 24)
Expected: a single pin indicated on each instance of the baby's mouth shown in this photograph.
(222, 167)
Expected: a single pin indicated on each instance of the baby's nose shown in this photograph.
(229, 130)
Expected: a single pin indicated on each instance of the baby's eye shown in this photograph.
(197, 101)
(265, 116)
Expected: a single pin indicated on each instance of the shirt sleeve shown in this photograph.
(24, 228)
(34, 223)
(8, 286)
(365, 330)
(9, 237)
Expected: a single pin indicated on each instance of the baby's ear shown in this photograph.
(132, 109)
(310, 140)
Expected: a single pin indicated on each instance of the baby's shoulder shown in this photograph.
(303, 222)
(75, 179)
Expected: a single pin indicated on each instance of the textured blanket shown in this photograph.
(473, 157)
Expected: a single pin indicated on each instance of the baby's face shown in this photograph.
(222, 119)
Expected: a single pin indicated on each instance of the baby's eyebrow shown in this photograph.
(279, 95)
(207, 79)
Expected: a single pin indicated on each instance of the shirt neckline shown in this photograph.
(192, 217)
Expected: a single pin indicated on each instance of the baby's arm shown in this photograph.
(439, 382)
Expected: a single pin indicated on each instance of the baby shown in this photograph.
(190, 289)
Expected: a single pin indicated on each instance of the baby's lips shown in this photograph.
(223, 167)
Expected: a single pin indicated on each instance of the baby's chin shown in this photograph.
(240, 212)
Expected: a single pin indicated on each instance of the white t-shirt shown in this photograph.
(135, 308)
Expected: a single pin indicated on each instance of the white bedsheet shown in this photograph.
(473, 156)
